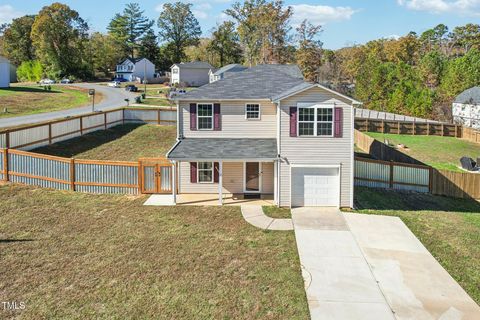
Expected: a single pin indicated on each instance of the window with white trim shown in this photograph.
(315, 121)
(175, 71)
(252, 111)
(205, 116)
(205, 172)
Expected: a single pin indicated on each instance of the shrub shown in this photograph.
(31, 70)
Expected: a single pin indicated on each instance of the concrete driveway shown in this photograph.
(372, 267)
(112, 98)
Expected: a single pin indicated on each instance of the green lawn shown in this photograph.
(439, 152)
(23, 100)
(276, 212)
(158, 102)
(78, 256)
(449, 228)
(123, 143)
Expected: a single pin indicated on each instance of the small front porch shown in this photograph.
(203, 199)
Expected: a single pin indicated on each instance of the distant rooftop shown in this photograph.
(194, 65)
(230, 68)
(469, 96)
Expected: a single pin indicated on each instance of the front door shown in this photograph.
(252, 177)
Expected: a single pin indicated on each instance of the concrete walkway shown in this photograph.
(255, 216)
(372, 267)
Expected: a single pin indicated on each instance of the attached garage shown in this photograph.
(315, 186)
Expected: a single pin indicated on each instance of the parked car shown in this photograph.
(131, 88)
(66, 81)
(120, 79)
(47, 81)
(114, 84)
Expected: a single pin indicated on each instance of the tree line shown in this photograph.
(57, 42)
(417, 74)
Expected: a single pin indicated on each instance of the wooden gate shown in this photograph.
(155, 175)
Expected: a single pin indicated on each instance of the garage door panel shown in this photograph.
(315, 187)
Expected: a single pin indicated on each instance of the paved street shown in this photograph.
(112, 98)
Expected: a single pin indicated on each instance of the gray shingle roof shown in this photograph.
(223, 149)
(230, 68)
(194, 65)
(469, 96)
(259, 82)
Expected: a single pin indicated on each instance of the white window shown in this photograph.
(315, 121)
(205, 116)
(174, 70)
(252, 111)
(205, 172)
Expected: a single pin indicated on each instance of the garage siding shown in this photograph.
(316, 150)
(233, 122)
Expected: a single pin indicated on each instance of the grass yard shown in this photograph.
(276, 212)
(158, 102)
(449, 228)
(78, 256)
(24, 100)
(439, 152)
(123, 143)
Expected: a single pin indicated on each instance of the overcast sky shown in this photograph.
(345, 22)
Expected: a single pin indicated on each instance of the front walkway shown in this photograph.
(372, 267)
(254, 215)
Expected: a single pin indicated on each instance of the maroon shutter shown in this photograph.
(193, 172)
(217, 125)
(293, 121)
(338, 122)
(216, 172)
(193, 116)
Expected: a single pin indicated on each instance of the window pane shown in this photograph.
(205, 123)
(205, 175)
(253, 107)
(324, 114)
(305, 129)
(324, 129)
(306, 114)
(205, 110)
(205, 165)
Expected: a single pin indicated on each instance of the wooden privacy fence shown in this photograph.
(392, 175)
(408, 127)
(41, 134)
(92, 176)
(456, 184)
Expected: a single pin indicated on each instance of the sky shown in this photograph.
(345, 22)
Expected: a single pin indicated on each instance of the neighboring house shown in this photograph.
(135, 69)
(215, 75)
(193, 74)
(265, 131)
(466, 108)
(4, 73)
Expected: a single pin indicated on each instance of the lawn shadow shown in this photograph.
(382, 199)
(72, 147)
(39, 89)
(15, 240)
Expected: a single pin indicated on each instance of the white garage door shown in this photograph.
(315, 187)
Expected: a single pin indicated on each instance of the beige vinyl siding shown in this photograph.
(234, 124)
(232, 179)
(267, 177)
(316, 150)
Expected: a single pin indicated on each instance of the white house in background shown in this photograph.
(466, 108)
(194, 74)
(135, 69)
(223, 72)
(4, 73)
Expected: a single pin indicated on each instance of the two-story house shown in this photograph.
(265, 131)
(193, 74)
(135, 69)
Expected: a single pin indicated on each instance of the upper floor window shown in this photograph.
(205, 116)
(174, 70)
(252, 111)
(315, 121)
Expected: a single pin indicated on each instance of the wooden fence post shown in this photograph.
(413, 127)
(5, 165)
(81, 125)
(72, 174)
(123, 116)
(398, 127)
(49, 133)
(428, 128)
(366, 125)
(430, 180)
(390, 180)
(105, 119)
(7, 139)
(443, 130)
(140, 177)
(383, 126)
(158, 116)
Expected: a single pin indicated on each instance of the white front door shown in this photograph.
(315, 187)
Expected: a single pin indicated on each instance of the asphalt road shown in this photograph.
(112, 98)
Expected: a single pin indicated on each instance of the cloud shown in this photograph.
(8, 13)
(199, 9)
(462, 7)
(318, 14)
